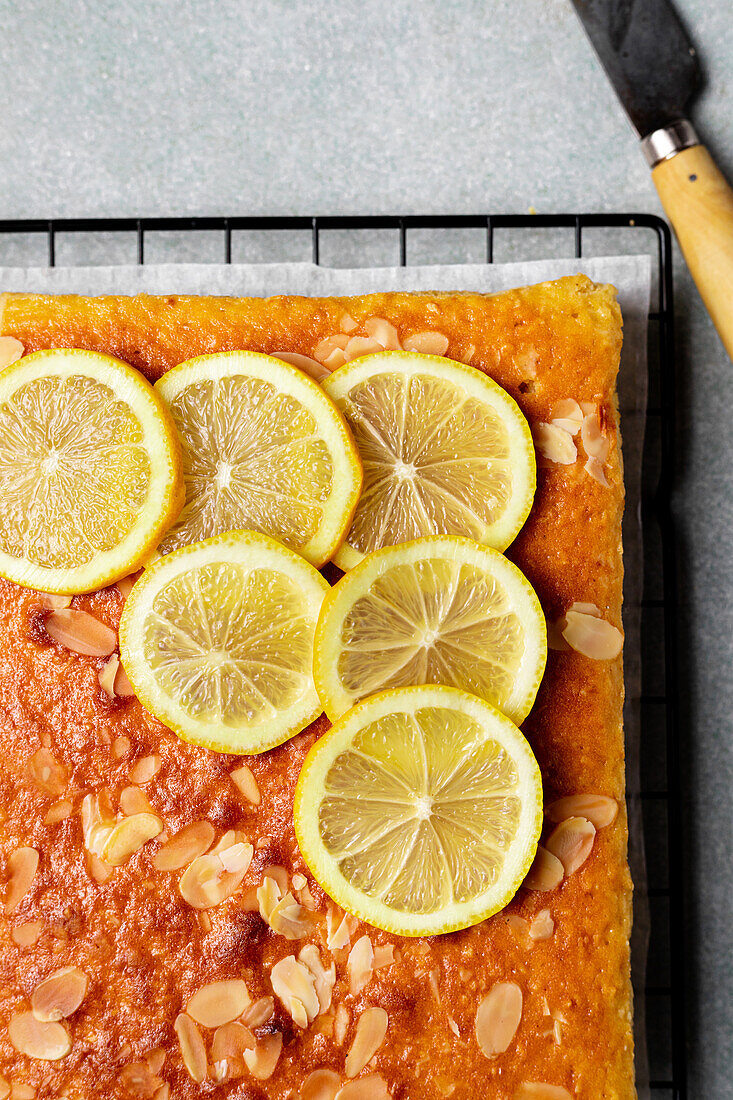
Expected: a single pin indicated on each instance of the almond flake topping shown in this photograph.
(594, 441)
(22, 867)
(163, 1092)
(383, 956)
(192, 1046)
(360, 964)
(323, 980)
(60, 994)
(20, 1091)
(371, 1028)
(542, 926)
(10, 351)
(427, 343)
(309, 366)
(261, 1061)
(536, 1090)
(324, 348)
(28, 934)
(80, 632)
(321, 1084)
(155, 1059)
(294, 983)
(124, 584)
(218, 1003)
(107, 673)
(123, 687)
(227, 1050)
(571, 842)
(139, 1079)
(129, 836)
(373, 1087)
(591, 636)
(497, 1018)
(208, 881)
(283, 913)
(246, 784)
(600, 809)
(37, 1039)
(44, 770)
(554, 444)
(545, 873)
(186, 845)
(339, 931)
(145, 768)
(596, 471)
(347, 323)
(555, 639)
(340, 1024)
(259, 1012)
(133, 800)
(50, 601)
(567, 414)
(383, 332)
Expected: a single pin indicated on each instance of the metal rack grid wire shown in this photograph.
(665, 993)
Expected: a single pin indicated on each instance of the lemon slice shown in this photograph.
(420, 810)
(434, 611)
(446, 451)
(90, 470)
(217, 641)
(263, 449)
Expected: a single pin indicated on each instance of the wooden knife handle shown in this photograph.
(699, 203)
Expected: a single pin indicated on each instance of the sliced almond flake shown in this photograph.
(20, 1091)
(384, 332)
(4, 1088)
(290, 919)
(555, 639)
(434, 988)
(371, 1028)
(140, 1080)
(361, 345)
(59, 811)
(145, 768)
(204, 920)
(498, 1017)
(554, 444)
(595, 443)
(28, 934)
(10, 351)
(227, 1050)
(347, 323)
(120, 747)
(572, 842)
(299, 881)
(595, 468)
(22, 867)
(206, 882)
(46, 773)
(309, 366)
(600, 809)
(336, 359)
(593, 637)
(245, 782)
(60, 994)
(545, 873)
(567, 414)
(37, 1039)
(129, 836)
(427, 343)
(588, 408)
(340, 1024)
(123, 687)
(280, 875)
(192, 1046)
(107, 673)
(321, 1084)
(525, 360)
(469, 353)
(454, 1026)
(373, 1087)
(328, 344)
(294, 983)
(259, 1012)
(100, 871)
(324, 980)
(186, 845)
(338, 929)
(218, 1003)
(268, 895)
(360, 964)
(80, 632)
(518, 924)
(262, 1061)
(155, 1059)
(383, 956)
(163, 1092)
(586, 608)
(125, 584)
(49, 601)
(537, 1090)
(133, 800)
(542, 926)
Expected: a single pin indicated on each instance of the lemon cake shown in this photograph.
(162, 934)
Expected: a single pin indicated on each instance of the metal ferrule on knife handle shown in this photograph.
(669, 140)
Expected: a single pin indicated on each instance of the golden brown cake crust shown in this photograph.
(144, 948)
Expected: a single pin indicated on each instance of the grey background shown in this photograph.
(405, 106)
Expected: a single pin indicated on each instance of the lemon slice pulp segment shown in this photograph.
(90, 470)
(436, 611)
(264, 449)
(446, 451)
(420, 810)
(217, 641)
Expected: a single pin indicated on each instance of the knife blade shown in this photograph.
(655, 71)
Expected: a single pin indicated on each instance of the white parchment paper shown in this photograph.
(631, 275)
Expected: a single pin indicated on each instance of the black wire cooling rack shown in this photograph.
(30, 243)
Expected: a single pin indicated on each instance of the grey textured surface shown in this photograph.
(291, 106)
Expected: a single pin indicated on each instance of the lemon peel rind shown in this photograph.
(347, 471)
(324, 868)
(237, 547)
(166, 491)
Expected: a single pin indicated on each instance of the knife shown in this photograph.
(655, 71)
